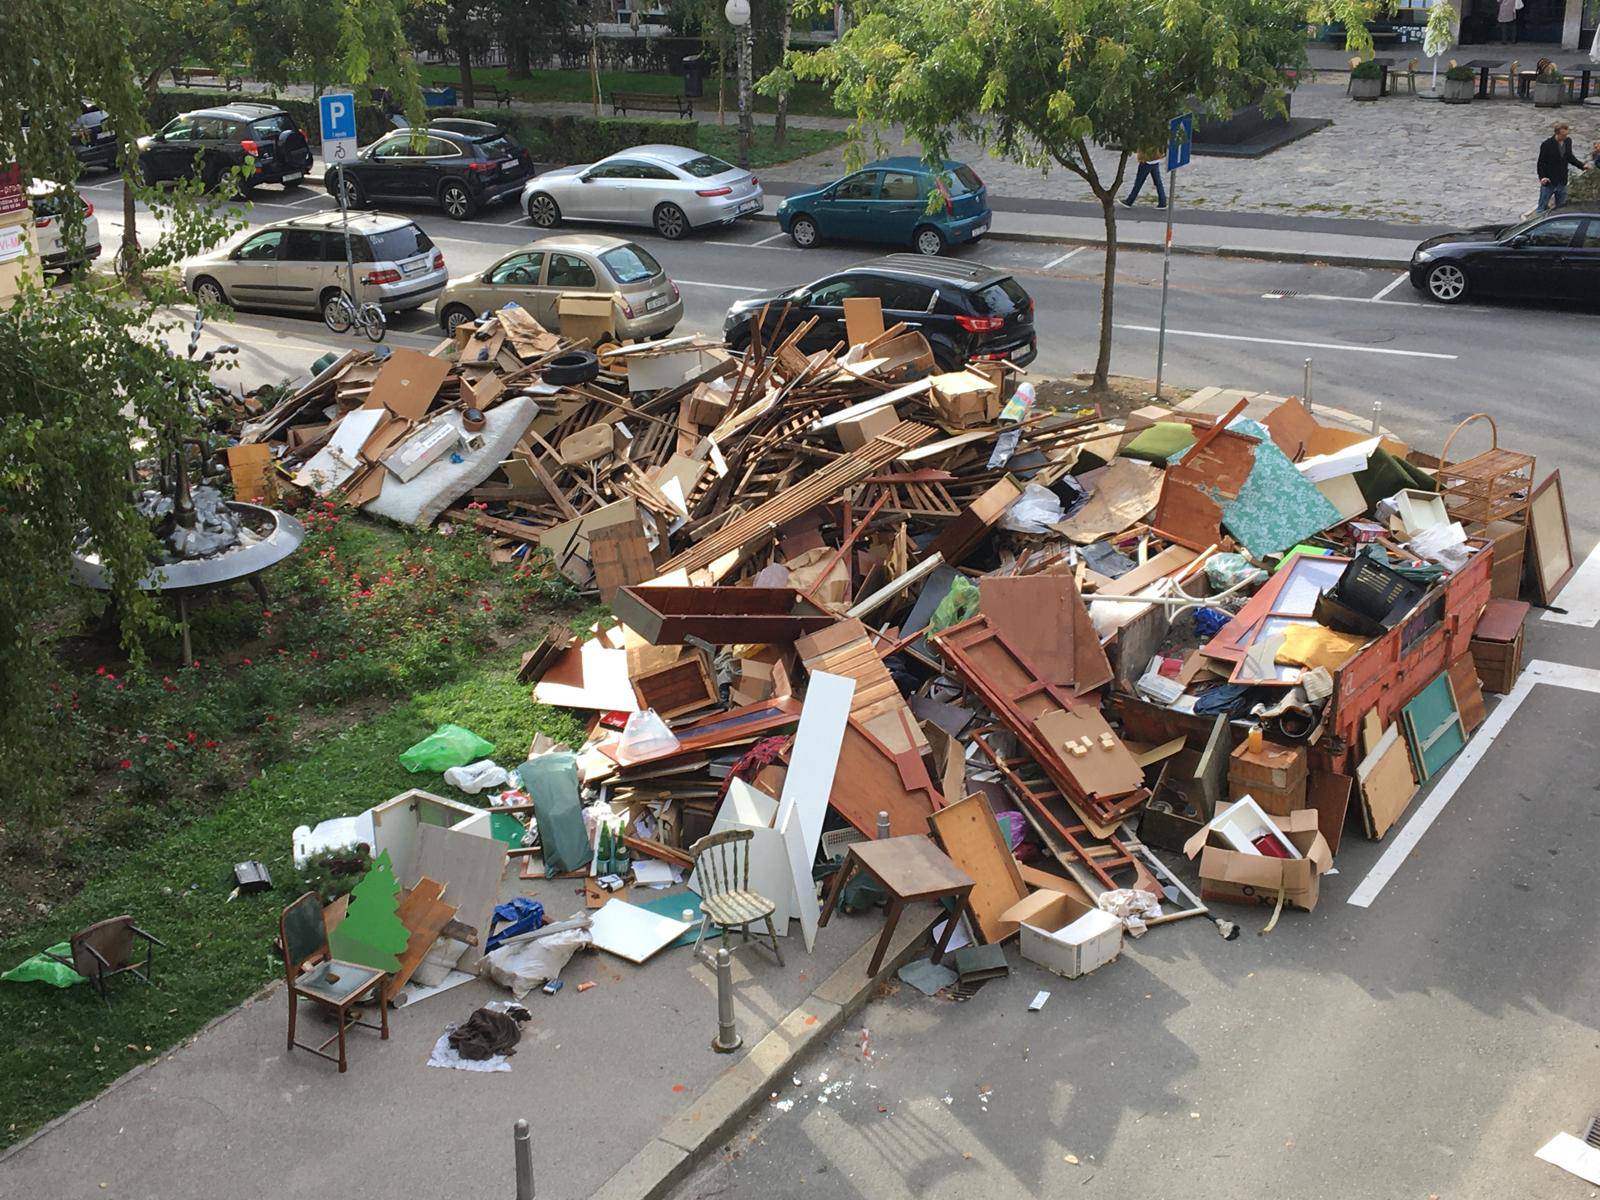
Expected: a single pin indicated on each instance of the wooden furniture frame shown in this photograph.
(330, 982)
(1545, 539)
(106, 948)
(907, 868)
(722, 865)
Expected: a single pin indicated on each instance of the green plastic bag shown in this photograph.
(447, 746)
(959, 603)
(552, 782)
(40, 969)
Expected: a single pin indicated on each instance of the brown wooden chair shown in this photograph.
(314, 974)
(106, 948)
(1509, 77)
(722, 865)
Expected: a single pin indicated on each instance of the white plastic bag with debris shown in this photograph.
(532, 960)
(1132, 907)
(1034, 511)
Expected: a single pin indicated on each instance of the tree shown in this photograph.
(1072, 84)
(463, 29)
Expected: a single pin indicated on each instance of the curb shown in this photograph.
(687, 1138)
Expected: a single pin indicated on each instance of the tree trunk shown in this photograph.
(780, 127)
(130, 171)
(1108, 284)
(464, 57)
(518, 64)
(594, 66)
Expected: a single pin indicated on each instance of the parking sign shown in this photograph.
(338, 128)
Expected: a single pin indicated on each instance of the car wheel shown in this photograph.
(334, 314)
(290, 185)
(355, 196)
(740, 341)
(803, 232)
(454, 315)
(208, 291)
(1447, 283)
(456, 201)
(543, 211)
(575, 366)
(670, 222)
(211, 177)
(928, 240)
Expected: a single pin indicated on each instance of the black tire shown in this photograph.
(803, 232)
(355, 196)
(208, 291)
(928, 240)
(456, 201)
(1447, 283)
(338, 323)
(670, 222)
(543, 211)
(454, 315)
(575, 366)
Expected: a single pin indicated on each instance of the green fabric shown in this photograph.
(1385, 475)
(1277, 506)
(447, 746)
(1160, 441)
(371, 933)
(552, 781)
(959, 603)
(40, 969)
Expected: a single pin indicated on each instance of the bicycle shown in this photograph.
(340, 312)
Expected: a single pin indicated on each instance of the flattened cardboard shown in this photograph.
(1106, 767)
(407, 383)
(863, 319)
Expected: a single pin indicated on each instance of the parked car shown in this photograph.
(1553, 256)
(670, 188)
(645, 302)
(261, 138)
(967, 311)
(50, 203)
(458, 164)
(889, 202)
(300, 264)
(93, 142)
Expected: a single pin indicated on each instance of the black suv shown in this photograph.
(967, 311)
(458, 164)
(260, 137)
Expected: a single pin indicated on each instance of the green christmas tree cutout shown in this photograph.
(371, 934)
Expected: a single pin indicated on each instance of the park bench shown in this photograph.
(205, 77)
(621, 102)
(488, 93)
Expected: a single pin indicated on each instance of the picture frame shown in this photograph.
(1550, 535)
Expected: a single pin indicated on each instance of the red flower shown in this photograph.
(323, 581)
(172, 745)
(99, 670)
(211, 745)
(196, 664)
(246, 662)
(126, 764)
(311, 654)
(191, 736)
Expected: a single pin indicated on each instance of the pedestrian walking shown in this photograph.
(1595, 157)
(1507, 16)
(1555, 156)
(1149, 168)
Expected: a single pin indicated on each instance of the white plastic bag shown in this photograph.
(475, 777)
(644, 735)
(1034, 511)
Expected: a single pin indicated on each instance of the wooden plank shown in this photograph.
(1464, 682)
(620, 555)
(422, 911)
(1329, 793)
(1094, 755)
(817, 743)
(971, 837)
(868, 780)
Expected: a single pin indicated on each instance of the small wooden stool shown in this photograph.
(908, 868)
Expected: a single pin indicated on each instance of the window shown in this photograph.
(1553, 233)
(308, 245)
(179, 129)
(705, 167)
(261, 248)
(903, 295)
(899, 185)
(1591, 235)
(441, 148)
(520, 269)
(630, 264)
(218, 129)
(615, 170)
(268, 128)
(396, 245)
(963, 180)
(835, 292)
(498, 146)
(1000, 298)
(396, 146)
(569, 271)
(861, 186)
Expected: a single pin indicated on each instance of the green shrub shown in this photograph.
(575, 139)
(1366, 70)
(1585, 188)
(1459, 74)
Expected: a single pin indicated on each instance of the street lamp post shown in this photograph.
(738, 14)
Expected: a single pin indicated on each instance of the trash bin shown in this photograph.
(439, 97)
(694, 76)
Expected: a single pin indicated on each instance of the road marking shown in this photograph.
(1583, 679)
(724, 287)
(1391, 285)
(773, 238)
(1581, 597)
(761, 245)
(311, 199)
(1260, 341)
(1059, 259)
(1343, 299)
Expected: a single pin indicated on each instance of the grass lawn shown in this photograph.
(723, 141)
(808, 98)
(295, 713)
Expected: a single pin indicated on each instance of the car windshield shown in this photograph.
(705, 167)
(270, 127)
(963, 180)
(1511, 231)
(630, 263)
(1000, 298)
(497, 146)
(394, 245)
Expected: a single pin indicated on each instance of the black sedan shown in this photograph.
(458, 164)
(967, 311)
(1553, 256)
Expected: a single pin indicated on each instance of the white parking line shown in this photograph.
(1583, 679)
(1061, 258)
(312, 199)
(1236, 337)
(1580, 599)
(1344, 299)
(757, 245)
(721, 287)
(1391, 285)
(773, 238)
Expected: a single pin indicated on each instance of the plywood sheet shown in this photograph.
(1095, 756)
(1552, 540)
(971, 837)
(424, 912)
(407, 383)
(1329, 794)
(633, 933)
(817, 744)
(869, 779)
(1468, 689)
(863, 319)
(1044, 617)
(470, 868)
(1386, 782)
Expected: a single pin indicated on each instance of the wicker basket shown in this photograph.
(1492, 486)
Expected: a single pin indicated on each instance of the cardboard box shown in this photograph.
(1063, 934)
(962, 398)
(587, 318)
(858, 431)
(1275, 775)
(1231, 876)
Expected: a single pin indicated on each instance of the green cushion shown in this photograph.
(1160, 441)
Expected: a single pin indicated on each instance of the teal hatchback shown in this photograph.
(898, 201)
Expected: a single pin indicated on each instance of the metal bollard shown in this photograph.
(1377, 415)
(727, 1039)
(1307, 387)
(523, 1146)
(883, 825)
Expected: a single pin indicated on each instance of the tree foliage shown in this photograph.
(1073, 85)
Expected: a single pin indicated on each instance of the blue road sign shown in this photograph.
(338, 127)
(1180, 137)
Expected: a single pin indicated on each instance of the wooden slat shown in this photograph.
(971, 836)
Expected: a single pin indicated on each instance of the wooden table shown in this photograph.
(908, 868)
(1484, 66)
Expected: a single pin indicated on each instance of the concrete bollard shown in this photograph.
(727, 1039)
(883, 825)
(523, 1147)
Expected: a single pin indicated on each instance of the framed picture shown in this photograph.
(1551, 539)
